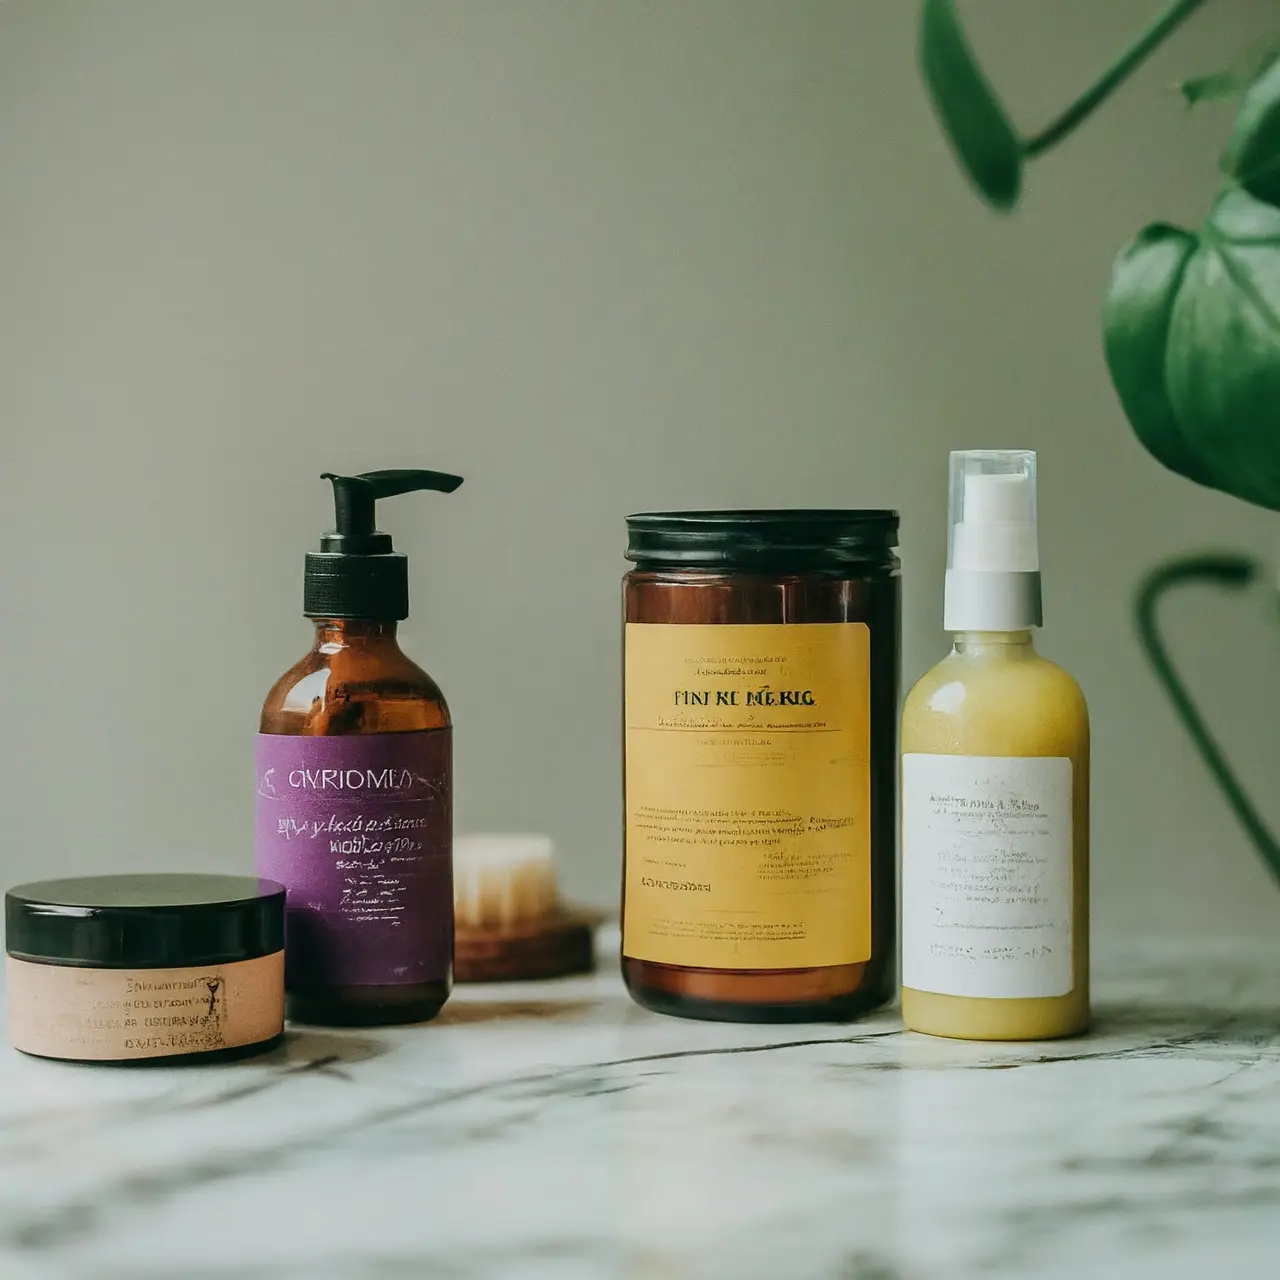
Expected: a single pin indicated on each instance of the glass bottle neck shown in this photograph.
(994, 644)
(333, 634)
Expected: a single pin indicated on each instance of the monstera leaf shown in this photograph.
(971, 115)
(1192, 326)
(1253, 154)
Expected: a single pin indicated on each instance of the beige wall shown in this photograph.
(595, 256)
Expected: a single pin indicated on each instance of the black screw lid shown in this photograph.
(335, 585)
(164, 921)
(763, 539)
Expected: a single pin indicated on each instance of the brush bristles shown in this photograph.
(502, 882)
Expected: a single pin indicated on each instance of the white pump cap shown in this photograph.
(993, 556)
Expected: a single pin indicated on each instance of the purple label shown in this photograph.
(359, 830)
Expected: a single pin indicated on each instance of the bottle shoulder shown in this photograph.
(1033, 671)
(350, 690)
(996, 706)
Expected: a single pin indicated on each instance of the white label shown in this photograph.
(986, 875)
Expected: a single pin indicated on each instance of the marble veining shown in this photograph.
(557, 1131)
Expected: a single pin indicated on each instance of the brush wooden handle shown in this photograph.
(551, 948)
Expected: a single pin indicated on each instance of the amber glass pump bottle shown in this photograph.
(353, 805)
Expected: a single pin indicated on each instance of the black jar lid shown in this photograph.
(762, 539)
(161, 921)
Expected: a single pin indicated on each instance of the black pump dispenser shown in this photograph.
(356, 573)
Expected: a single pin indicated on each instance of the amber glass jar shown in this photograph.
(760, 710)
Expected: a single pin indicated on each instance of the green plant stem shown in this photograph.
(1222, 571)
(1113, 77)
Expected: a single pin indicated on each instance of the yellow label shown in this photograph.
(748, 834)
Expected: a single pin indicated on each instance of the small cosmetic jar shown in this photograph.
(145, 967)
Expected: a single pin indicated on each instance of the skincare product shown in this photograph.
(142, 967)
(354, 787)
(995, 789)
(510, 922)
(761, 686)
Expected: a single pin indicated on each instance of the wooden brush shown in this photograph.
(509, 922)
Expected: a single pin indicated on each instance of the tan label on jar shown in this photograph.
(105, 1015)
(748, 835)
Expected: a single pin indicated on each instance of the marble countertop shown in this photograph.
(556, 1131)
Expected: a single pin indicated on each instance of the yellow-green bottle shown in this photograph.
(995, 789)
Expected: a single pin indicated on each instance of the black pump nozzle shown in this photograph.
(356, 573)
(353, 505)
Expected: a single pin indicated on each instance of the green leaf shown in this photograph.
(1222, 367)
(1252, 156)
(1212, 88)
(1192, 337)
(968, 110)
(1144, 287)
(1233, 80)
